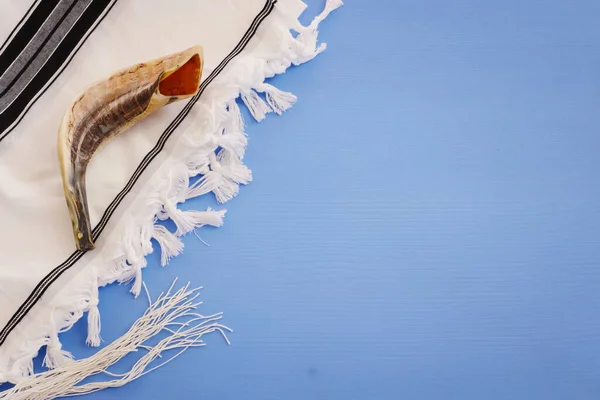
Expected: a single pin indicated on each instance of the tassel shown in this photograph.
(55, 355)
(135, 258)
(330, 5)
(170, 245)
(93, 336)
(136, 288)
(307, 46)
(198, 163)
(306, 41)
(187, 221)
(209, 182)
(173, 313)
(232, 168)
(233, 172)
(235, 115)
(146, 235)
(125, 271)
(129, 270)
(235, 142)
(278, 100)
(226, 191)
(120, 265)
(257, 106)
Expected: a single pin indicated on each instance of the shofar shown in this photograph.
(111, 106)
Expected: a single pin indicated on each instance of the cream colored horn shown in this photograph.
(111, 106)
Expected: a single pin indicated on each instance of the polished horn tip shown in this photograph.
(85, 245)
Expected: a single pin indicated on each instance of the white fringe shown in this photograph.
(236, 120)
(93, 338)
(170, 245)
(187, 221)
(217, 158)
(172, 312)
(257, 106)
(55, 355)
(278, 100)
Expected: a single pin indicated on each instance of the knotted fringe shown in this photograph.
(257, 106)
(136, 288)
(209, 182)
(55, 355)
(93, 337)
(278, 100)
(306, 46)
(187, 221)
(172, 312)
(170, 245)
(217, 163)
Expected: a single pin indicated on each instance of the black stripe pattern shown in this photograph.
(43, 286)
(24, 31)
(40, 50)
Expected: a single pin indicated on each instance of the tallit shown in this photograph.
(141, 175)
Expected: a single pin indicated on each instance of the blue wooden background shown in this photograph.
(423, 224)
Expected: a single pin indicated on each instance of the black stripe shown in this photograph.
(8, 38)
(28, 63)
(13, 113)
(26, 33)
(43, 286)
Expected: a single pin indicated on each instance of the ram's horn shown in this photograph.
(109, 107)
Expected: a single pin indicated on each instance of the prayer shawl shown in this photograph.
(52, 51)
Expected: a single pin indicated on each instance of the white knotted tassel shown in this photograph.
(206, 184)
(306, 41)
(307, 48)
(197, 168)
(235, 142)
(93, 335)
(170, 245)
(236, 121)
(145, 239)
(55, 355)
(231, 168)
(135, 258)
(330, 5)
(187, 221)
(233, 172)
(123, 271)
(279, 101)
(136, 288)
(177, 183)
(257, 106)
(277, 67)
(226, 191)
(129, 268)
(120, 265)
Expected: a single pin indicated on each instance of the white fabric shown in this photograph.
(36, 234)
(36, 231)
(11, 13)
